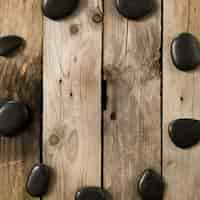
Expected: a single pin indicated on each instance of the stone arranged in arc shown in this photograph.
(185, 52)
(134, 9)
(38, 180)
(8, 44)
(151, 185)
(184, 133)
(56, 10)
(90, 193)
(14, 117)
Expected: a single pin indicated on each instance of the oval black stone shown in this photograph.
(151, 185)
(8, 44)
(184, 133)
(14, 117)
(185, 52)
(38, 180)
(134, 9)
(90, 193)
(58, 9)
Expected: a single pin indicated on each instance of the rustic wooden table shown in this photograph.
(65, 62)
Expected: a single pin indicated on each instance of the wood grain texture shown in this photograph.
(72, 100)
(20, 79)
(180, 100)
(132, 134)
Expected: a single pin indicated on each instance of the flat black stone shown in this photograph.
(134, 9)
(185, 52)
(151, 185)
(90, 193)
(8, 44)
(58, 9)
(38, 180)
(184, 133)
(14, 117)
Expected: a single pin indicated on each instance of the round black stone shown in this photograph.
(134, 9)
(8, 44)
(151, 185)
(38, 180)
(58, 9)
(90, 193)
(184, 133)
(14, 117)
(185, 52)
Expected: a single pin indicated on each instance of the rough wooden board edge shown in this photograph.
(72, 100)
(132, 131)
(180, 100)
(20, 79)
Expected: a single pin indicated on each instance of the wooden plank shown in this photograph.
(20, 79)
(72, 100)
(181, 99)
(132, 132)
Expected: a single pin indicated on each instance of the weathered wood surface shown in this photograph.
(132, 136)
(20, 79)
(72, 100)
(180, 100)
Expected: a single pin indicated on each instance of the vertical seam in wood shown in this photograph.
(41, 108)
(161, 88)
(102, 111)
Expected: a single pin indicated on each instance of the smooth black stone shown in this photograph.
(58, 9)
(8, 44)
(185, 52)
(151, 185)
(90, 193)
(184, 133)
(134, 9)
(14, 117)
(38, 180)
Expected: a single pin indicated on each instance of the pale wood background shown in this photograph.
(72, 100)
(132, 136)
(180, 99)
(83, 144)
(20, 79)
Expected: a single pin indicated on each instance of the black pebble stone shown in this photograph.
(134, 9)
(151, 185)
(185, 52)
(38, 180)
(58, 9)
(184, 133)
(8, 44)
(14, 117)
(90, 193)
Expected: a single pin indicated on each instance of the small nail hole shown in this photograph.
(181, 99)
(113, 116)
